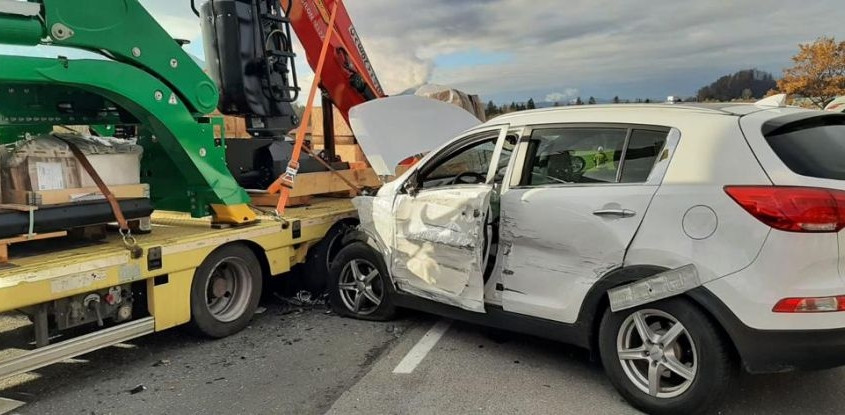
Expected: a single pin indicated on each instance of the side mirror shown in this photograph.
(410, 186)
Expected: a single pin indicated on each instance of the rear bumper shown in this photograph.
(774, 351)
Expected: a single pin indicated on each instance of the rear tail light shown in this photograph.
(793, 209)
(810, 305)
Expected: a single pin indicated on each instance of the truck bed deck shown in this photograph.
(65, 266)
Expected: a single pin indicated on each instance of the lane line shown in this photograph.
(421, 349)
(9, 405)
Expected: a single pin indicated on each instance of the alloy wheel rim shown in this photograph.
(657, 353)
(361, 289)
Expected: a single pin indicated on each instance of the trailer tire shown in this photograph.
(320, 257)
(225, 292)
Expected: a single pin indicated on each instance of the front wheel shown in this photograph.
(666, 357)
(359, 284)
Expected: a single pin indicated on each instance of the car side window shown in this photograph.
(467, 165)
(641, 154)
(574, 155)
(592, 155)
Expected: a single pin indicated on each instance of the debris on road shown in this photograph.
(162, 362)
(138, 389)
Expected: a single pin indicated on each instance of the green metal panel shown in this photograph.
(128, 32)
(184, 164)
(19, 30)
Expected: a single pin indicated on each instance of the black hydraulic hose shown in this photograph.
(194, 8)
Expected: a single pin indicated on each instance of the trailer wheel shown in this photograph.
(225, 292)
(319, 261)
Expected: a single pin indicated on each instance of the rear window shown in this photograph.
(813, 147)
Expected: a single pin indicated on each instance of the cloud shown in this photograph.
(605, 47)
(561, 96)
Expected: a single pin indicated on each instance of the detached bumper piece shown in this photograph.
(68, 216)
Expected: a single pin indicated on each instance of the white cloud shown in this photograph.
(562, 96)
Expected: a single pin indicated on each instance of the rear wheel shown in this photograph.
(666, 357)
(225, 292)
(320, 257)
(359, 284)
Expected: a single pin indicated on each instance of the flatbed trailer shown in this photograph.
(180, 254)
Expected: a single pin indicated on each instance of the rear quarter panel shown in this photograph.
(691, 219)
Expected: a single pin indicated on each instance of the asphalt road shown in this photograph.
(314, 363)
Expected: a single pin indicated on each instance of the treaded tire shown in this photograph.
(204, 322)
(715, 366)
(360, 251)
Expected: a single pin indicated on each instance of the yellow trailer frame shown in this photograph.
(183, 244)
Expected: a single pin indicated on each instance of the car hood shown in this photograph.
(392, 129)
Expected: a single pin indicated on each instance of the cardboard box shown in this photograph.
(46, 164)
(40, 164)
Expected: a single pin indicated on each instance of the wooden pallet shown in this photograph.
(325, 184)
(6, 242)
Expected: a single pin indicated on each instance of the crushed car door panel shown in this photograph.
(572, 215)
(439, 243)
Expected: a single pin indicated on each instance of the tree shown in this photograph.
(819, 71)
(492, 110)
(557, 103)
(731, 87)
(578, 101)
(747, 94)
(648, 100)
(616, 99)
(591, 101)
(531, 105)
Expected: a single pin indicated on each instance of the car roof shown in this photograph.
(726, 109)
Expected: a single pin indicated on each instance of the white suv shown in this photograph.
(676, 242)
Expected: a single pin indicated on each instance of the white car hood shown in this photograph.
(392, 129)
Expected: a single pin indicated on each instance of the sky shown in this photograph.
(554, 50)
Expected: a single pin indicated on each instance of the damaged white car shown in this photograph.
(676, 242)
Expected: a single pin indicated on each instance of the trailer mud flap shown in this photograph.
(657, 287)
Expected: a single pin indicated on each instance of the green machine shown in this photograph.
(148, 80)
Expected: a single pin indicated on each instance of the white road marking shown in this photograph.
(9, 405)
(421, 349)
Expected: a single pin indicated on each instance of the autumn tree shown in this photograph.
(819, 72)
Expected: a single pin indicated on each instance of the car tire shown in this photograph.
(359, 285)
(689, 374)
(225, 292)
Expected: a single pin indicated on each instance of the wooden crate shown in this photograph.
(340, 126)
(55, 197)
(308, 185)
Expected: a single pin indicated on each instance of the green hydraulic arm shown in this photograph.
(147, 79)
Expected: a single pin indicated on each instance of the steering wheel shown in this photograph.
(461, 178)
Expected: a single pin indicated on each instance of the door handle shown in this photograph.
(620, 213)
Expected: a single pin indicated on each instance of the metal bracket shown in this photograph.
(657, 287)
